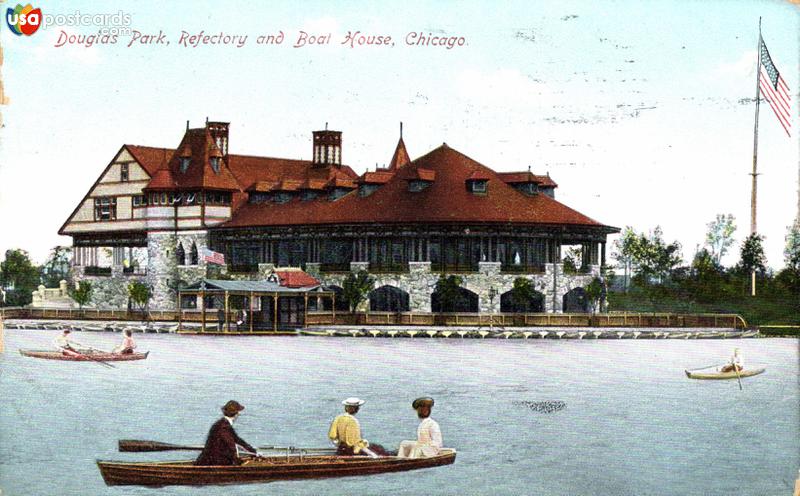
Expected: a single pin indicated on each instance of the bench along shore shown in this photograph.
(415, 332)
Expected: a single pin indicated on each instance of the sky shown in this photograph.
(642, 112)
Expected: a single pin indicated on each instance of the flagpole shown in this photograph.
(753, 192)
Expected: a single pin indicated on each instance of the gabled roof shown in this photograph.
(150, 158)
(200, 174)
(527, 177)
(296, 278)
(446, 200)
(162, 179)
(400, 157)
(377, 177)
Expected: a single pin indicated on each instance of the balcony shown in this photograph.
(93, 270)
(455, 268)
(335, 267)
(388, 268)
(243, 268)
(522, 268)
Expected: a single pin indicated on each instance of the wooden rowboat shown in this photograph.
(87, 356)
(272, 468)
(717, 375)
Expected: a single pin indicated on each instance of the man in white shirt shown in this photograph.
(429, 435)
(62, 342)
(737, 361)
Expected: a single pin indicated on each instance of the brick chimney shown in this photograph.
(219, 133)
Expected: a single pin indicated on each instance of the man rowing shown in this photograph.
(736, 363)
(345, 433)
(222, 443)
(63, 344)
(128, 344)
(429, 435)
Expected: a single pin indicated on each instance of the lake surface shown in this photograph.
(633, 423)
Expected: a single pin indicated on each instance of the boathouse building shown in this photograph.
(153, 212)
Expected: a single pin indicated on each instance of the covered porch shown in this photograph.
(249, 307)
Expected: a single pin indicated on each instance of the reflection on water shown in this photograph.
(528, 417)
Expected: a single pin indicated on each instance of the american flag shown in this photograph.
(774, 89)
(213, 257)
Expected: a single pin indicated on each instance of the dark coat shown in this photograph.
(220, 448)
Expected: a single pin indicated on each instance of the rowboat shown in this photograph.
(717, 375)
(84, 356)
(268, 469)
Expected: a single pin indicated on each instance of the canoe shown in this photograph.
(272, 468)
(717, 375)
(89, 356)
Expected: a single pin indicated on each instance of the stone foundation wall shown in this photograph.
(419, 282)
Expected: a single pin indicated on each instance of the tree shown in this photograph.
(752, 258)
(139, 293)
(594, 291)
(522, 293)
(719, 236)
(792, 250)
(654, 257)
(56, 268)
(627, 251)
(82, 294)
(572, 260)
(355, 288)
(449, 290)
(19, 277)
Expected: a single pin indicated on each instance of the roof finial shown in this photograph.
(206, 120)
(187, 124)
(401, 129)
(529, 168)
(326, 126)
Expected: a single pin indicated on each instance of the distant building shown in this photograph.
(153, 211)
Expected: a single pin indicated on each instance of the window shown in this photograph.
(180, 255)
(139, 201)
(214, 161)
(417, 186)
(193, 254)
(185, 161)
(123, 173)
(477, 186)
(217, 198)
(105, 208)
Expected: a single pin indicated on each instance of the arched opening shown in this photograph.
(463, 300)
(534, 303)
(341, 304)
(575, 301)
(388, 299)
(193, 254)
(180, 255)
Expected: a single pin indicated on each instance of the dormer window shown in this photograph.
(214, 161)
(417, 186)
(185, 161)
(309, 195)
(282, 197)
(478, 186)
(367, 189)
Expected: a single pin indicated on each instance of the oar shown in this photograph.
(89, 357)
(738, 377)
(135, 445)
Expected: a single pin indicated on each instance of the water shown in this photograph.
(633, 423)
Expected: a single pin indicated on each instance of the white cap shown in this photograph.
(353, 402)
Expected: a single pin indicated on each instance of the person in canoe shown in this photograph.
(429, 435)
(222, 441)
(63, 344)
(128, 344)
(345, 433)
(736, 363)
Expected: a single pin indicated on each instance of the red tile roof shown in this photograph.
(162, 179)
(527, 177)
(479, 175)
(378, 177)
(150, 158)
(296, 278)
(400, 157)
(446, 200)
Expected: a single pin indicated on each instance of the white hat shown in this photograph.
(353, 402)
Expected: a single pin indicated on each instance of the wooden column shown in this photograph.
(305, 309)
(250, 317)
(275, 312)
(603, 253)
(180, 311)
(227, 326)
(333, 307)
(203, 311)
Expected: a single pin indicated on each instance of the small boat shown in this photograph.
(717, 375)
(253, 470)
(84, 356)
